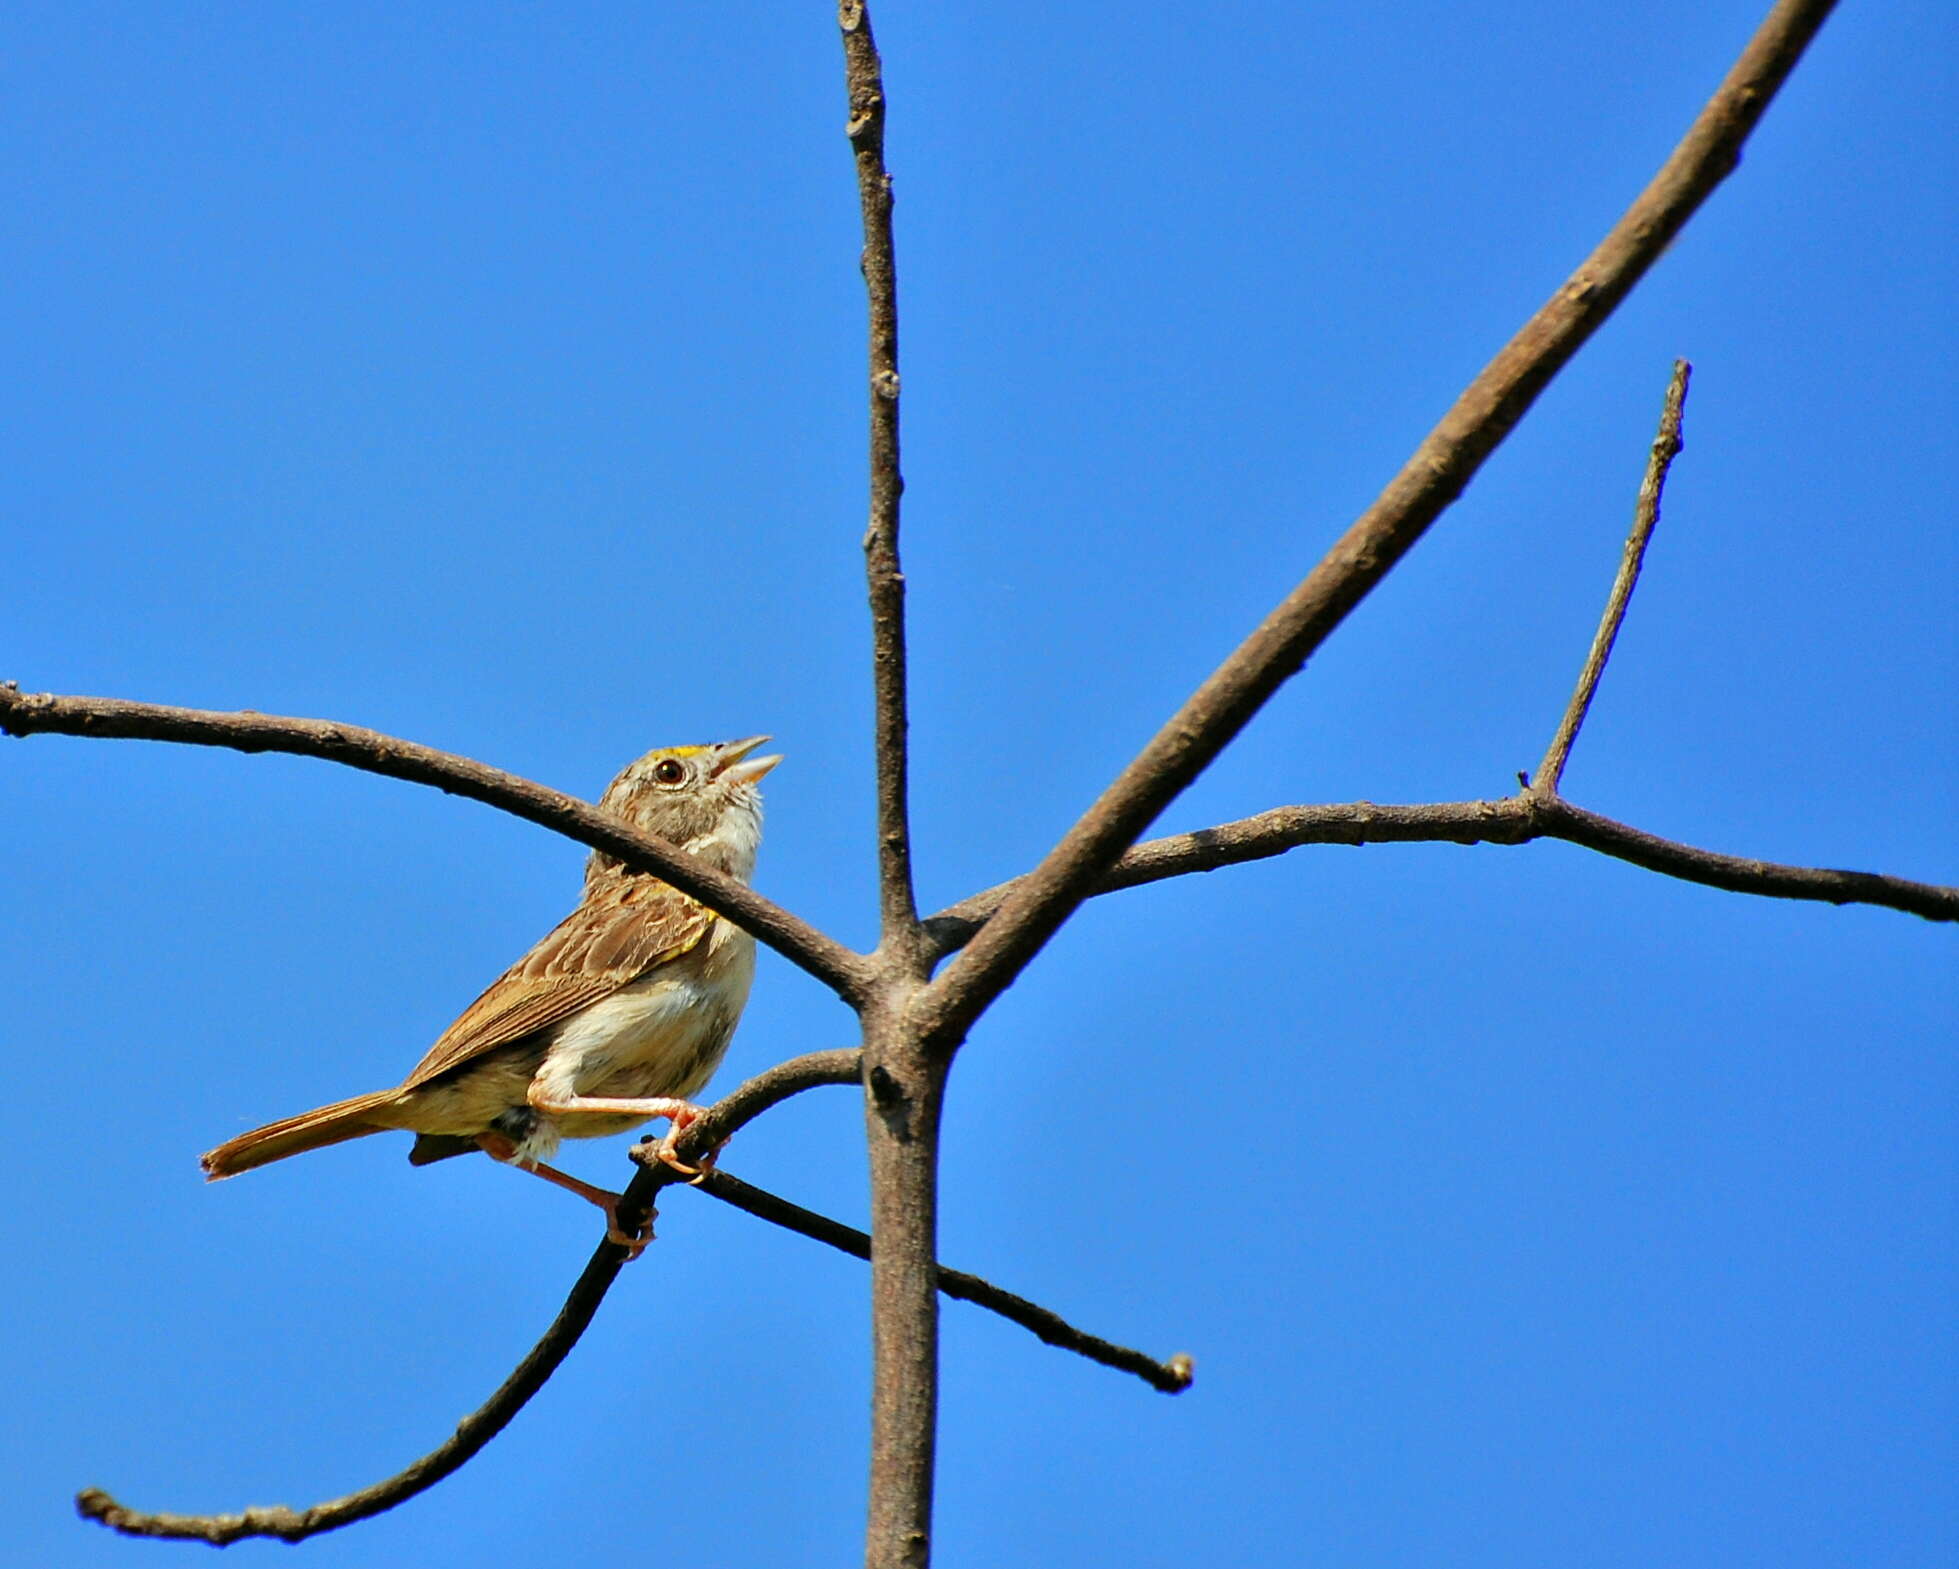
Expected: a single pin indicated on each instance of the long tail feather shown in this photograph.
(310, 1130)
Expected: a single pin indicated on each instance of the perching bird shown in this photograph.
(622, 1012)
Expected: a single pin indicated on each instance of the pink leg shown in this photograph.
(684, 1114)
(497, 1147)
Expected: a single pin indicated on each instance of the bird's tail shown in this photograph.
(310, 1130)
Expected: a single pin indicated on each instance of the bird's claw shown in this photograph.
(634, 1244)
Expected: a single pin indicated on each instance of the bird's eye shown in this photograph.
(669, 772)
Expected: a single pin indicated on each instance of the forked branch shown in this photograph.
(1431, 479)
(1535, 812)
(1510, 820)
(734, 1110)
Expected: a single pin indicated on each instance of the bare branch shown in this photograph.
(905, 1085)
(864, 79)
(740, 1105)
(23, 714)
(1172, 1377)
(734, 1111)
(472, 1433)
(1557, 818)
(1646, 515)
(1516, 819)
(1432, 478)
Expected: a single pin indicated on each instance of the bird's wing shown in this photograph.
(611, 939)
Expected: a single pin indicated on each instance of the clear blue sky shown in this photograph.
(491, 375)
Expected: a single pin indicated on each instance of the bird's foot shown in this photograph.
(633, 1242)
(669, 1155)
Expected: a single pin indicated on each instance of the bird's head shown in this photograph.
(701, 798)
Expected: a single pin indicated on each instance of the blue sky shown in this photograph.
(491, 375)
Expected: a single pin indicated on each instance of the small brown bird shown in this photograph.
(623, 1011)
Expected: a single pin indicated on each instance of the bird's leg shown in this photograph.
(499, 1148)
(683, 1114)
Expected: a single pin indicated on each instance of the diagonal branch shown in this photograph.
(1172, 1376)
(1646, 516)
(864, 80)
(1432, 478)
(24, 713)
(1516, 819)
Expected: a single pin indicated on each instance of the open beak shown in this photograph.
(728, 764)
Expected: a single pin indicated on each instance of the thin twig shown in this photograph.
(1432, 478)
(1172, 1376)
(741, 1104)
(864, 80)
(1646, 516)
(25, 713)
(1513, 820)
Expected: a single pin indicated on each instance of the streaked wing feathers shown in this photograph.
(621, 930)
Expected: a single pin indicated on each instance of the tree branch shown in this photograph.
(1172, 1377)
(734, 1110)
(864, 80)
(905, 1085)
(24, 714)
(1432, 478)
(473, 1432)
(1513, 820)
(1646, 515)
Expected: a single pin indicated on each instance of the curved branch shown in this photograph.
(1516, 819)
(738, 1106)
(472, 1433)
(1431, 479)
(25, 713)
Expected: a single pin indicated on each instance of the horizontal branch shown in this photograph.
(1516, 819)
(1172, 1377)
(1434, 475)
(23, 714)
(739, 1106)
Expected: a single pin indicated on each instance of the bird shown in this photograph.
(617, 1015)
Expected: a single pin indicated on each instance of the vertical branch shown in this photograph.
(905, 1091)
(1646, 515)
(864, 78)
(904, 1086)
